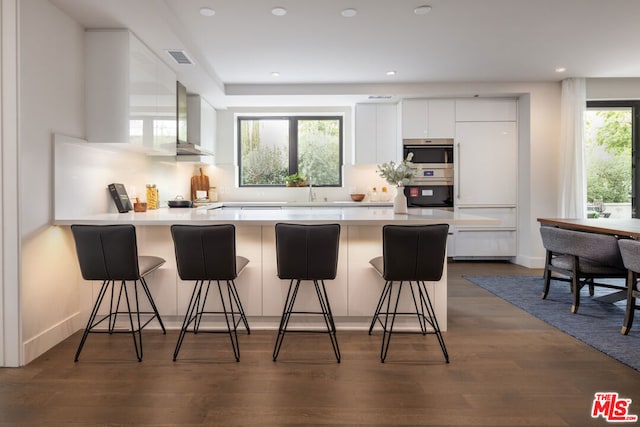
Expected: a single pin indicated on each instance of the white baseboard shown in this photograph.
(45, 340)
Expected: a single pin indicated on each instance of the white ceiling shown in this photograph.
(317, 51)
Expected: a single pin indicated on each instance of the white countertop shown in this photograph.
(271, 215)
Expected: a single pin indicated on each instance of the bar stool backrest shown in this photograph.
(107, 252)
(414, 252)
(630, 251)
(307, 252)
(205, 252)
(600, 248)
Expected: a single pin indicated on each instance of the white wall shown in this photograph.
(620, 88)
(51, 100)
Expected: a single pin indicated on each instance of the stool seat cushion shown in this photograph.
(241, 263)
(147, 264)
(378, 264)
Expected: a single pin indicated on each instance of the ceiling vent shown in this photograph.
(380, 96)
(180, 56)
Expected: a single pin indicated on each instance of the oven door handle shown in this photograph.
(428, 147)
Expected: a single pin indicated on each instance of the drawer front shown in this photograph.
(507, 216)
(470, 243)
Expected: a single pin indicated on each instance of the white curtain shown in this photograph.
(573, 190)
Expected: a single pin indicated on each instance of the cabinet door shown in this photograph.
(441, 122)
(131, 95)
(376, 140)
(486, 163)
(387, 144)
(414, 118)
(428, 118)
(486, 110)
(366, 131)
(143, 97)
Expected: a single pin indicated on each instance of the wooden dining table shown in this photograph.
(627, 227)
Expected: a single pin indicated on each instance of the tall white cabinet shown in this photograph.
(376, 139)
(131, 94)
(486, 140)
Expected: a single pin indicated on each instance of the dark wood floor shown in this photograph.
(507, 369)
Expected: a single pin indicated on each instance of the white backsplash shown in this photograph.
(84, 170)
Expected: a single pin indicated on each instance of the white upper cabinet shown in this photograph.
(376, 133)
(130, 93)
(201, 123)
(428, 118)
(486, 110)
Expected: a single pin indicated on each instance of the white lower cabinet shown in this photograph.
(494, 241)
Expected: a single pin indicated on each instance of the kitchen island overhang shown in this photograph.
(353, 294)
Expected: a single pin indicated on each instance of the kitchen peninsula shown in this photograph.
(353, 293)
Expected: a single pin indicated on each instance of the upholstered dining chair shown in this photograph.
(630, 251)
(580, 258)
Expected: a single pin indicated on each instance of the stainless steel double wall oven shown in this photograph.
(432, 185)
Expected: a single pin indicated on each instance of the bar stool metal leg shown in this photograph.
(286, 315)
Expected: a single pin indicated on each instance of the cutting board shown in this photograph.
(199, 183)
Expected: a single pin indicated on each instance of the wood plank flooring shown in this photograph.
(507, 369)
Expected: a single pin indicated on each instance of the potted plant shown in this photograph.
(295, 180)
(399, 174)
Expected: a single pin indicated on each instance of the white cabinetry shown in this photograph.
(428, 118)
(130, 93)
(376, 133)
(486, 176)
(201, 123)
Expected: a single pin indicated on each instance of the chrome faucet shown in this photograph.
(312, 194)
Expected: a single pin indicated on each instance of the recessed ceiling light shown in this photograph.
(422, 10)
(207, 11)
(279, 11)
(275, 74)
(348, 13)
(391, 73)
(561, 70)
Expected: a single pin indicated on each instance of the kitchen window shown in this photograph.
(272, 147)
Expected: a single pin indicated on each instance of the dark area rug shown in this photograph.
(597, 323)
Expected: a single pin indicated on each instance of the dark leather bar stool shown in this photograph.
(630, 250)
(412, 254)
(206, 254)
(109, 253)
(307, 253)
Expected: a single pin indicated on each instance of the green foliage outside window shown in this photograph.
(319, 151)
(608, 155)
(266, 147)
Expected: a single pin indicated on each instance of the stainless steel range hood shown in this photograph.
(196, 125)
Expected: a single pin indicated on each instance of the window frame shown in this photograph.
(293, 144)
(635, 143)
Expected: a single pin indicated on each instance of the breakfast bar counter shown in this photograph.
(252, 214)
(353, 293)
